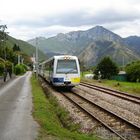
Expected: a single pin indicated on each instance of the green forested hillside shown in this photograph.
(24, 46)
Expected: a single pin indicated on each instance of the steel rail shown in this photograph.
(93, 116)
(105, 110)
(123, 95)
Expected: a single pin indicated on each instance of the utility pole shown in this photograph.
(22, 60)
(123, 63)
(18, 59)
(36, 57)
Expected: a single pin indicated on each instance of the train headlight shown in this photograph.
(66, 58)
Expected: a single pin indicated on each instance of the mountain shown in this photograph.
(74, 42)
(90, 46)
(133, 43)
(97, 50)
(24, 46)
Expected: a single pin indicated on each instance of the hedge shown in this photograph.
(20, 69)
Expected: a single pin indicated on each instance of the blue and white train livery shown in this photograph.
(63, 70)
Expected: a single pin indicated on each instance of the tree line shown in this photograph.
(107, 68)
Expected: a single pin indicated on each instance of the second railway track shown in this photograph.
(119, 94)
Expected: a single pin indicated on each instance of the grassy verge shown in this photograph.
(46, 114)
(129, 87)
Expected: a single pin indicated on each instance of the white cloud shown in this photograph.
(129, 29)
(30, 18)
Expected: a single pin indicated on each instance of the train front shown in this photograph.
(66, 71)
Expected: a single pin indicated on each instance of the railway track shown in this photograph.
(123, 128)
(119, 94)
(120, 126)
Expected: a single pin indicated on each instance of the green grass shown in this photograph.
(46, 113)
(124, 86)
(129, 87)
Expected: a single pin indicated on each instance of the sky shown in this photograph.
(27, 19)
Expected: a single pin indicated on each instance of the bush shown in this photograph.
(8, 65)
(20, 69)
(25, 67)
(133, 71)
(1, 68)
(5, 65)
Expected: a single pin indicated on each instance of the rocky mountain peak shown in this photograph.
(101, 33)
(98, 28)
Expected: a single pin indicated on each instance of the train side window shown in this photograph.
(51, 65)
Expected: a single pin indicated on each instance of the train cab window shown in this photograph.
(66, 66)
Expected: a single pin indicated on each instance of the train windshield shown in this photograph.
(66, 66)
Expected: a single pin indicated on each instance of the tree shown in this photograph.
(16, 48)
(3, 39)
(3, 35)
(2, 32)
(133, 71)
(11, 53)
(107, 68)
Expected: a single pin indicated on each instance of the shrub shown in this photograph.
(5, 65)
(19, 69)
(1, 68)
(8, 65)
(24, 66)
(133, 71)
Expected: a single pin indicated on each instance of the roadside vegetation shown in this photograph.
(20, 69)
(53, 120)
(11, 56)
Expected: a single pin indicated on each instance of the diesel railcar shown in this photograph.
(61, 70)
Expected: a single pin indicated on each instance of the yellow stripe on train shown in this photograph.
(75, 80)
